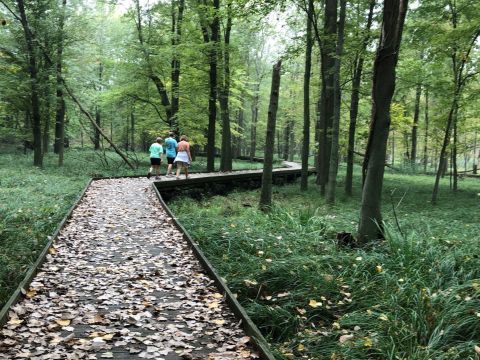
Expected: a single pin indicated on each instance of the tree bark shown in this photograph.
(286, 140)
(34, 98)
(425, 141)
(59, 144)
(177, 20)
(370, 224)
(226, 155)
(413, 153)
(455, 151)
(212, 100)
(306, 98)
(253, 124)
(132, 131)
(328, 104)
(334, 156)
(266, 192)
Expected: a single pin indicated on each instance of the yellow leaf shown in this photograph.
(301, 311)
(219, 321)
(314, 303)
(30, 293)
(245, 354)
(63, 322)
(213, 305)
(217, 296)
(383, 317)
(15, 321)
(300, 347)
(52, 250)
(368, 342)
(108, 336)
(379, 268)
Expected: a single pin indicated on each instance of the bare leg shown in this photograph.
(186, 172)
(178, 171)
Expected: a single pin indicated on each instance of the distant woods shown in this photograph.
(365, 84)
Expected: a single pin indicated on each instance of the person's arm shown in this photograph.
(188, 152)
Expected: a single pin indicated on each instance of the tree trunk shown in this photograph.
(354, 101)
(394, 12)
(33, 72)
(475, 153)
(291, 152)
(328, 104)
(425, 141)
(306, 98)
(177, 20)
(46, 127)
(334, 156)
(59, 145)
(240, 129)
(286, 140)
(455, 151)
(212, 100)
(253, 125)
(413, 153)
(132, 131)
(266, 192)
(96, 134)
(226, 156)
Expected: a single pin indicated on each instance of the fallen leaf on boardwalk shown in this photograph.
(63, 322)
(217, 296)
(52, 250)
(219, 321)
(245, 354)
(30, 293)
(107, 355)
(213, 305)
(15, 321)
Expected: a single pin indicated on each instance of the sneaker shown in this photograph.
(149, 175)
(157, 177)
(177, 177)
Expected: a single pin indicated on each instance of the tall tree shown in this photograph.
(59, 144)
(334, 154)
(178, 7)
(226, 151)
(327, 51)
(416, 114)
(354, 99)
(394, 13)
(266, 192)
(306, 97)
(460, 57)
(32, 52)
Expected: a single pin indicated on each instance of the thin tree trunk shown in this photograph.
(393, 148)
(383, 87)
(59, 144)
(306, 98)
(413, 154)
(239, 147)
(96, 132)
(291, 153)
(425, 144)
(253, 125)
(286, 140)
(212, 100)
(354, 101)
(455, 151)
(475, 153)
(266, 192)
(177, 20)
(334, 156)
(132, 131)
(226, 156)
(33, 72)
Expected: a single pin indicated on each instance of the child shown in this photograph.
(171, 152)
(156, 154)
(183, 158)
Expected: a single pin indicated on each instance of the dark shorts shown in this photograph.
(170, 160)
(155, 161)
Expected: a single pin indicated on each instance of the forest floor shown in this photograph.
(415, 295)
(33, 201)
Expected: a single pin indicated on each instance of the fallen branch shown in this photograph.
(100, 131)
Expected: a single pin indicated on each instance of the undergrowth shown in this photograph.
(415, 295)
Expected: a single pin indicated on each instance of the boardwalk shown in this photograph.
(121, 283)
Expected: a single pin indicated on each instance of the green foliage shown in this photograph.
(412, 296)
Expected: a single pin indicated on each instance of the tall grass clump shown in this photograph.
(415, 295)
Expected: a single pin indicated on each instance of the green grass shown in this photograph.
(412, 296)
(33, 201)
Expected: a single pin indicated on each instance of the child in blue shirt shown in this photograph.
(156, 154)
